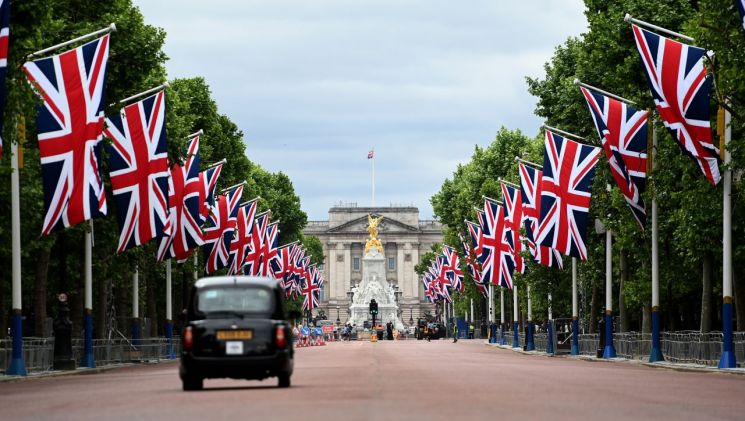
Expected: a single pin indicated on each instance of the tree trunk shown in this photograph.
(623, 321)
(594, 304)
(152, 314)
(40, 291)
(646, 319)
(706, 293)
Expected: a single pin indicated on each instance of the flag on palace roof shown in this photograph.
(497, 264)
(371, 154)
(220, 229)
(530, 190)
(70, 126)
(242, 237)
(677, 78)
(623, 133)
(138, 169)
(568, 170)
(513, 213)
(4, 36)
(185, 229)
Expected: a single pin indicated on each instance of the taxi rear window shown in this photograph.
(234, 300)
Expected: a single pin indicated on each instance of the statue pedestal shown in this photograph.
(374, 286)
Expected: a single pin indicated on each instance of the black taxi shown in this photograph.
(236, 327)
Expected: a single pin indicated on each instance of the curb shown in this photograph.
(80, 371)
(658, 365)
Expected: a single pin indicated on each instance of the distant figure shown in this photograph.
(455, 332)
(389, 331)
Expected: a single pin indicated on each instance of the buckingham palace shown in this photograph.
(404, 238)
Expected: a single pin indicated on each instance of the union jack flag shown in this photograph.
(4, 35)
(530, 190)
(183, 215)
(446, 284)
(472, 263)
(513, 214)
(568, 170)
(302, 270)
(206, 194)
(138, 164)
(281, 267)
(677, 79)
(252, 260)
(497, 264)
(218, 235)
(452, 268)
(295, 273)
(623, 133)
(310, 290)
(242, 237)
(740, 5)
(268, 251)
(70, 124)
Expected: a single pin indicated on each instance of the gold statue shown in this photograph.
(372, 228)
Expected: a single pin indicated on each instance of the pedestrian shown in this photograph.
(471, 329)
(455, 332)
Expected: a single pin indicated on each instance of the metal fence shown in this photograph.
(38, 353)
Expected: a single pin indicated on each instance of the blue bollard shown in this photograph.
(529, 342)
(728, 354)
(136, 332)
(515, 336)
(17, 365)
(609, 351)
(493, 336)
(169, 340)
(88, 360)
(550, 337)
(655, 355)
(502, 339)
(575, 336)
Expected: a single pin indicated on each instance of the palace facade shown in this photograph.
(404, 236)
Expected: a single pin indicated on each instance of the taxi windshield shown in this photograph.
(232, 300)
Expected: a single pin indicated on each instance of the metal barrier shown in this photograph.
(38, 353)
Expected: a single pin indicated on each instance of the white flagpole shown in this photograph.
(373, 177)
(17, 365)
(106, 30)
(529, 343)
(501, 316)
(575, 310)
(88, 359)
(515, 340)
(656, 351)
(471, 310)
(728, 359)
(609, 351)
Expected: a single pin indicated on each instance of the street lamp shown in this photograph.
(411, 316)
(338, 322)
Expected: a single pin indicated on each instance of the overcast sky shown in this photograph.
(316, 84)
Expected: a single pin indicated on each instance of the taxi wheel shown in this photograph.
(193, 383)
(284, 380)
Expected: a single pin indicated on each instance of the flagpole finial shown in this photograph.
(112, 27)
(627, 17)
(576, 81)
(166, 84)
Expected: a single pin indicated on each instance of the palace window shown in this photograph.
(356, 264)
(391, 263)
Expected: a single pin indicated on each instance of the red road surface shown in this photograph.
(392, 380)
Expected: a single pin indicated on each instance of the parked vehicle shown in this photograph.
(236, 327)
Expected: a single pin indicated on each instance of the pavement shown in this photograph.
(391, 380)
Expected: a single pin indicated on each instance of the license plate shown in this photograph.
(234, 348)
(225, 335)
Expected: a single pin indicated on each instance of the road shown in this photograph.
(388, 381)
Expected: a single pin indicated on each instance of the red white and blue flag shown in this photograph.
(252, 260)
(680, 87)
(183, 214)
(371, 154)
(566, 185)
(281, 267)
(218, 235)
(513, 213)
(138, 165)
(740, 5)
(452, 268)
(4, 36)
(268, 251)
(497, 264)
(623, 133)
(472, 262)
(206, 194)
(530, 190)
(241, 243)
(310, 289)
(70, 126)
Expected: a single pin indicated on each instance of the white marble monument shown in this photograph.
(374, 285)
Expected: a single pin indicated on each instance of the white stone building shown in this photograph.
(404, 236)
